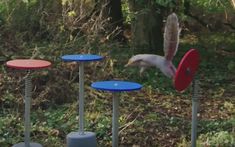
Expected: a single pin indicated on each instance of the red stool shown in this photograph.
(185, 74)
(28, 65)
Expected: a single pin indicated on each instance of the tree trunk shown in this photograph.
(147, 33)
(116, 13)
(113, 11)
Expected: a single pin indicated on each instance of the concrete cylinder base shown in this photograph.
(32, 144)
(76, 139)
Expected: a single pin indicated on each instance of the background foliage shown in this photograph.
(155, 116)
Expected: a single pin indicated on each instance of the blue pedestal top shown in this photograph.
(81, 57)
(116, 86)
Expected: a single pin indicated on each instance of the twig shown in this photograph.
(233, 3)
(128, 124)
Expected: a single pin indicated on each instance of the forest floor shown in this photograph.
(157, 115)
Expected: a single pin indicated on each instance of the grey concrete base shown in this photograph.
(76, 139)
(32, 144)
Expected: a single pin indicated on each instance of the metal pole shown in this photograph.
(115, 124)
(194, 112)
(28, 94)
(81, 98)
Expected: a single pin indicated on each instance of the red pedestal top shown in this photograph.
(28, 64)
(186, 69)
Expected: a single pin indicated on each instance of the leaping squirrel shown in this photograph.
(171, 41)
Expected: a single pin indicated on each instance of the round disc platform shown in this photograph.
(28, 64)
(186, 70)
(116, 86)
(32, 144)
(76, 139)
(81, 57)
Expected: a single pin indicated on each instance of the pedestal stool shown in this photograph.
(81, 138)
(28, 65)
(115, 87)
(184, 76)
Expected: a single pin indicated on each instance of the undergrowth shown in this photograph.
(157, 115)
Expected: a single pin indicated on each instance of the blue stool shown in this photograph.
(81, 138)
(115, 87)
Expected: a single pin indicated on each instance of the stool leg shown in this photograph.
(194, 113)
(115, 124)
(28, 93)
(81, 98)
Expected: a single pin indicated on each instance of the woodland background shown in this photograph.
(157, 115)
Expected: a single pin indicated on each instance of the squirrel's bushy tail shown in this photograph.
(171, 36)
